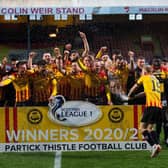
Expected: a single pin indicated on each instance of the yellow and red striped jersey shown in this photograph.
(152, 90)
(43, 87)
(122, 75)
(94, 83)
(63, 86)
(76, 84)
(21, 84)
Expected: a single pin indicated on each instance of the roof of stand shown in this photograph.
(79, 7)
(80, 3)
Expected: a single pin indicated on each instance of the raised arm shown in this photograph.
(30, 59)
(85, 43)
(132, 62)
(100, 53)
(54, 89)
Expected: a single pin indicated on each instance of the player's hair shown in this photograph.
(148, 68)
(41, 62)
(21, 62)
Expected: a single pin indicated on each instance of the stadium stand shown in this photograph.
(115, 35)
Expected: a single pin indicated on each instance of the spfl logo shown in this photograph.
(73, 113)
(116, 115)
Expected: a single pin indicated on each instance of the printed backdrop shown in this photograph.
(31, 125)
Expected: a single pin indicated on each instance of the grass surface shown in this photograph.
(117, 159)
(27, 160)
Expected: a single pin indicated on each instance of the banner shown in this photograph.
(85, 128)
(76, 10)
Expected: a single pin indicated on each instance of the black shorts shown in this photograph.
(152, 115)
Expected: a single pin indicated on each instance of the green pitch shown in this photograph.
(128, 159)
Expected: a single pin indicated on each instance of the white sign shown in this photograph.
(86, 3)
(77, 146)
(73, 113)
(83, 10)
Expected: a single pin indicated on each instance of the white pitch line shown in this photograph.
(57, 161)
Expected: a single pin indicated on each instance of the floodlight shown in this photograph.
(52, 35)
(131, 16)
(89, 17)
(64, 17)
(139, 17)
(7, 17)
(35, 17)
(82, 17)
(57, 17)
